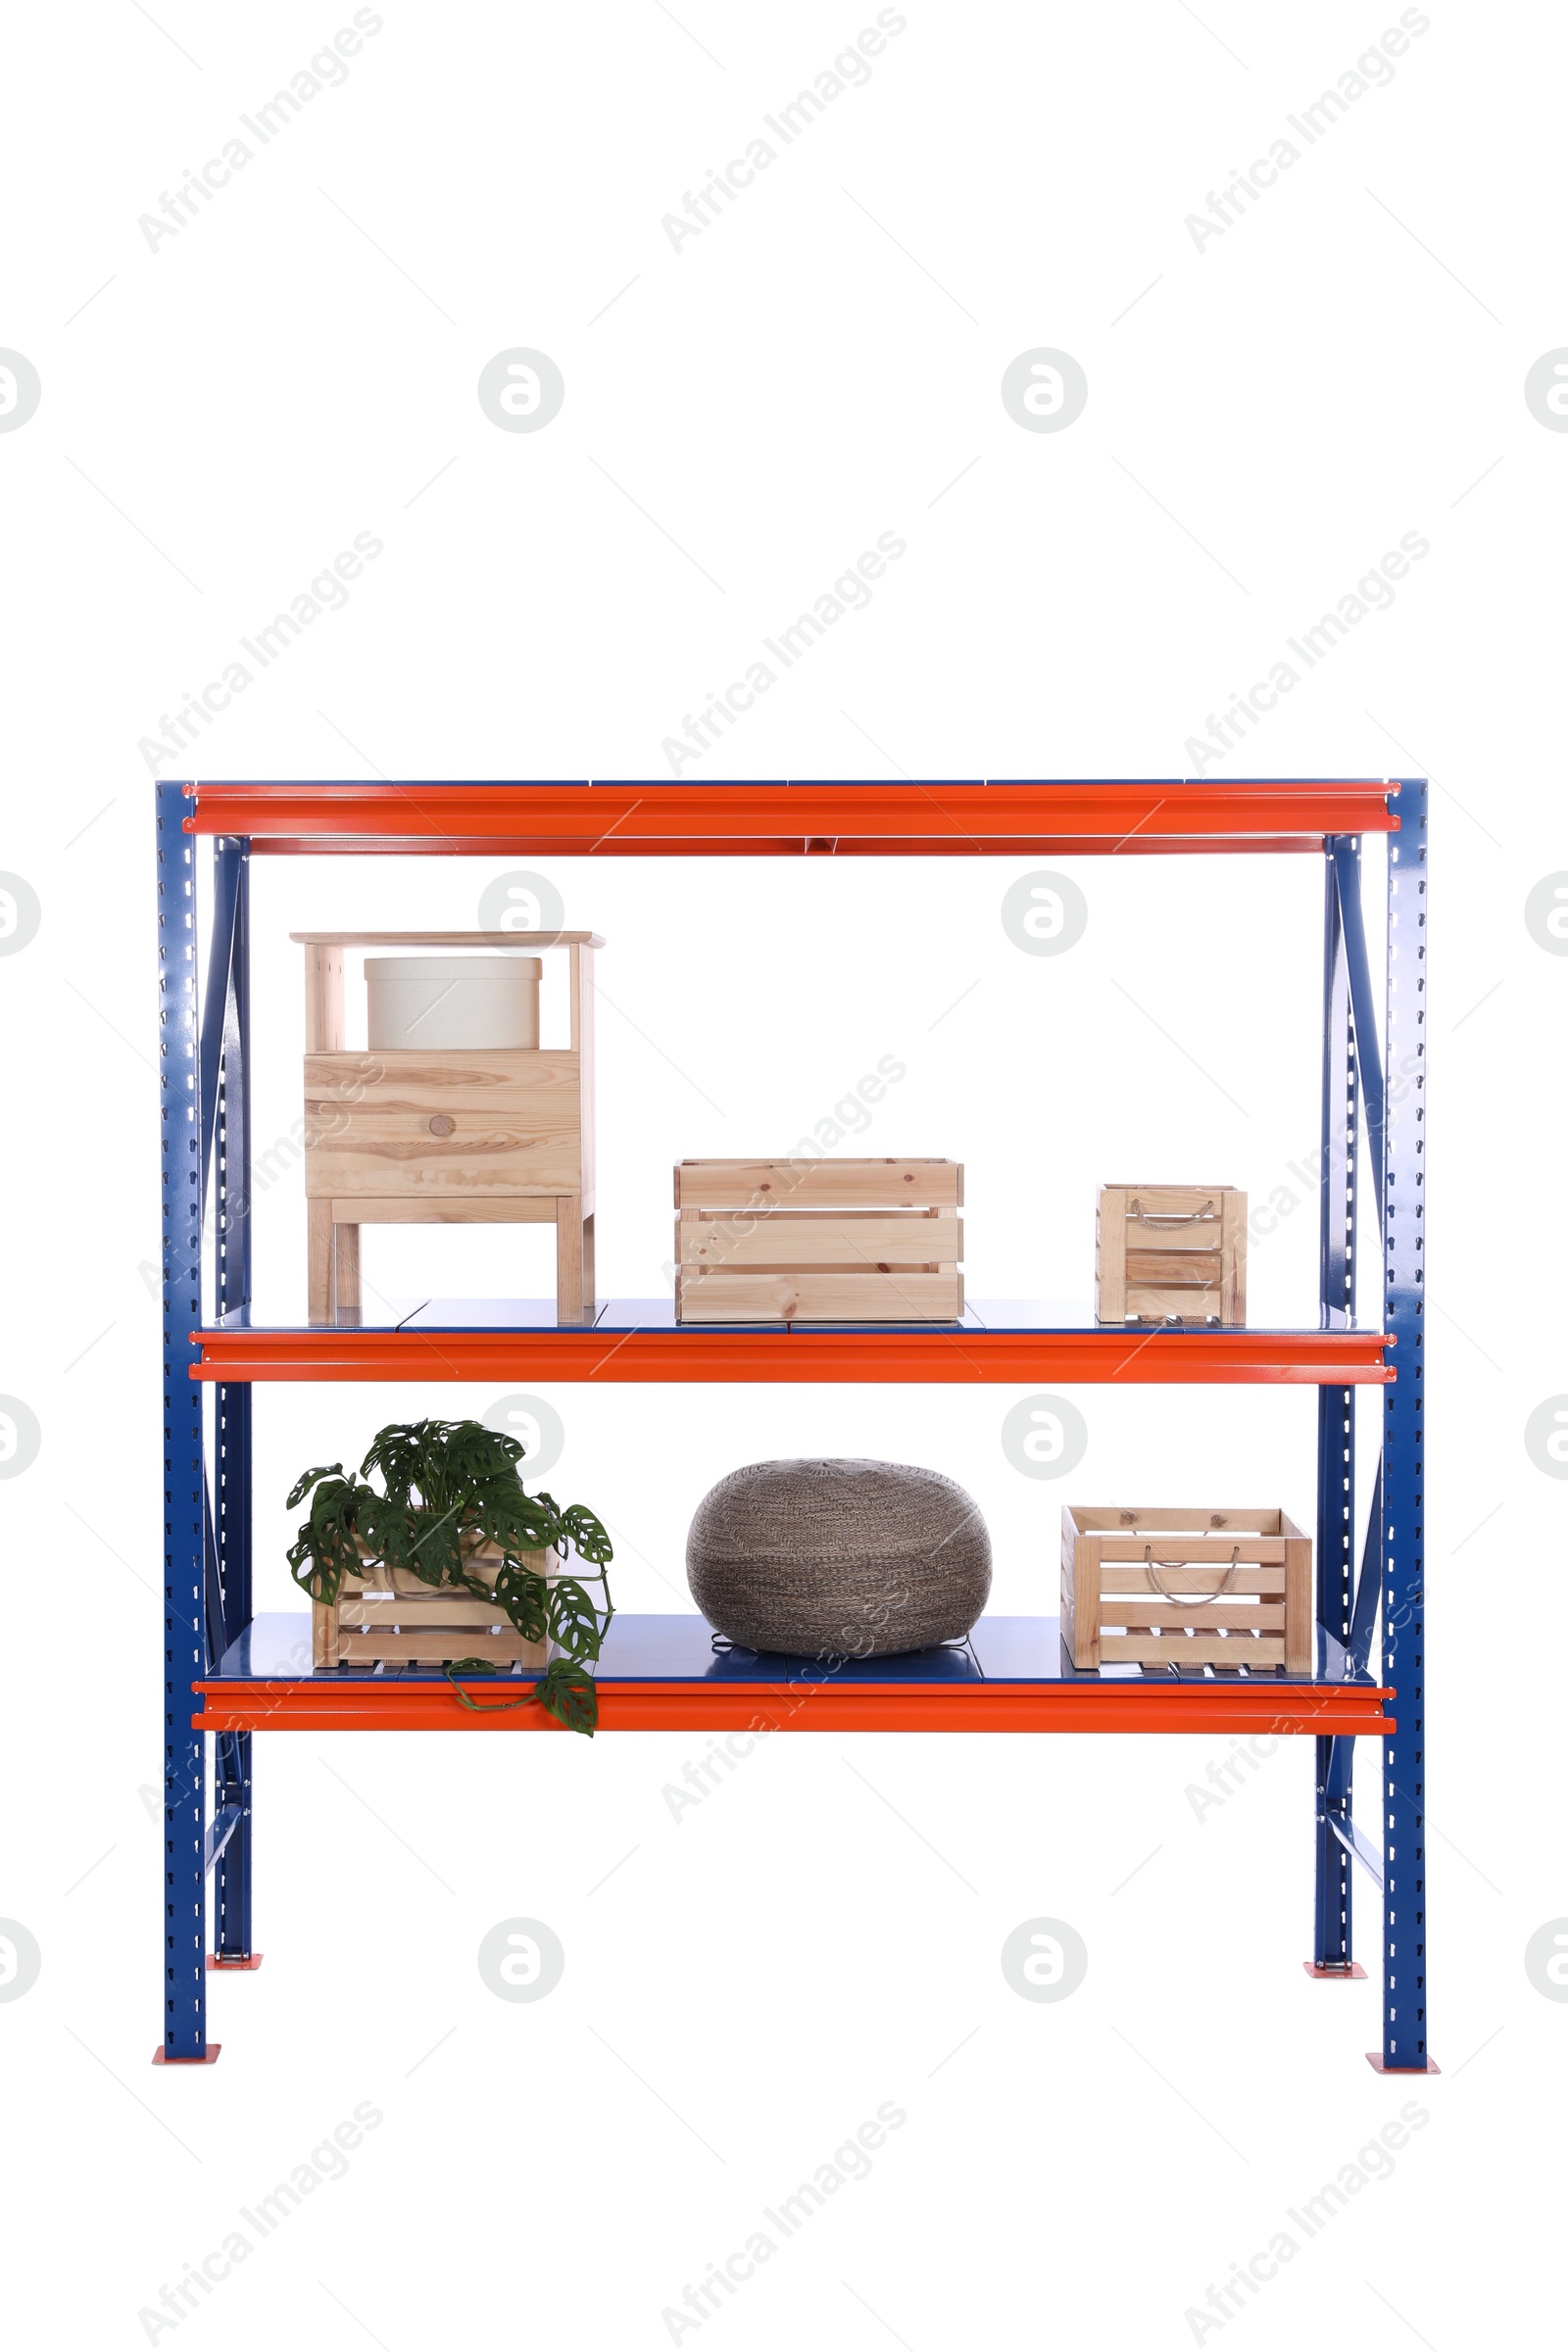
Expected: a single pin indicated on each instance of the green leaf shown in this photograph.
(587, 1534)
(302, 1486)
(524, 1593)
(570, 1695)
(324, 1550)
(517, 1521)
(437, 1552)
(573, 1619)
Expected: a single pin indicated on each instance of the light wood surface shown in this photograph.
(580, 992)
(505, 1209)
(324, 998)
(762, 1184)
(1119, 1517)
(514, 1124)
(906, 1296)
(346, 1273)
(783, 1240)
(1192, 1649)
(447, 939)
(569, 1302)
(319, 1288)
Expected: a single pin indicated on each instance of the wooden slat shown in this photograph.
(442, 1607)
(1266, 1583)
(1154, 1268)
(1179, 1240)
(1110, 1256)
(723, 1296)
(434, 1647)
(1196, 1550)
(495, 1082)
(1232, 1521)
(502, 1208)
(782, 1242)
(1175, 1199)
(1156, 1306)
(1233, 1254)
(1301, 1613)
(1207, 1616)
(447, 939)
(1203, 1650)
(733, 1184)
(1080, 1591)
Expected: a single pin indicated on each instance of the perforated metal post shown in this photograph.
(1404, 1958)
(1336, 1409)
(231, 1181)
(179, 1106)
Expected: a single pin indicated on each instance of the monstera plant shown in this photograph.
(449, 1488)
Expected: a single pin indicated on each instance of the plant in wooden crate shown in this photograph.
(453, 1514)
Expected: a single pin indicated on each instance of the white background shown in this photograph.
(1267, 416)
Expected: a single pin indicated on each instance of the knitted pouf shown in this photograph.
(838, 1559)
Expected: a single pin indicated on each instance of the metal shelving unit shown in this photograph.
(228, 1674)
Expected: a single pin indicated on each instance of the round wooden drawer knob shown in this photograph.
(441, 1124)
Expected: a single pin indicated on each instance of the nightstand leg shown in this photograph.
(319, 1259)
(568, 1258)
(346, 1272)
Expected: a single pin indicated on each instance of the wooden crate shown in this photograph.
(1171, 1249)
(822, 1240)
(1186, 1587)
(392, 1615)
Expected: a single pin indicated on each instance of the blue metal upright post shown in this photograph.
(1336, 1410)
(231, 1450)
(1403, 1165)
(184, 1591)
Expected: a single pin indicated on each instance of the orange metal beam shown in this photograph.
(1006, 1358)
(1314, 1709)
(655, 820)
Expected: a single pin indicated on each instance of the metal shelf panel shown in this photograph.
(944, 818)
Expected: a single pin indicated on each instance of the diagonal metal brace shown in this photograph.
(226, 866)
(220, 1830)
(1369, 1584)
(1347, 890)
(1357, 1845)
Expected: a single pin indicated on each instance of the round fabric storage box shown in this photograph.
(838, 1559)
(464, 1003)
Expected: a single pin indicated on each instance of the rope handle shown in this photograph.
(1195, 1216)
(1190, 1600)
